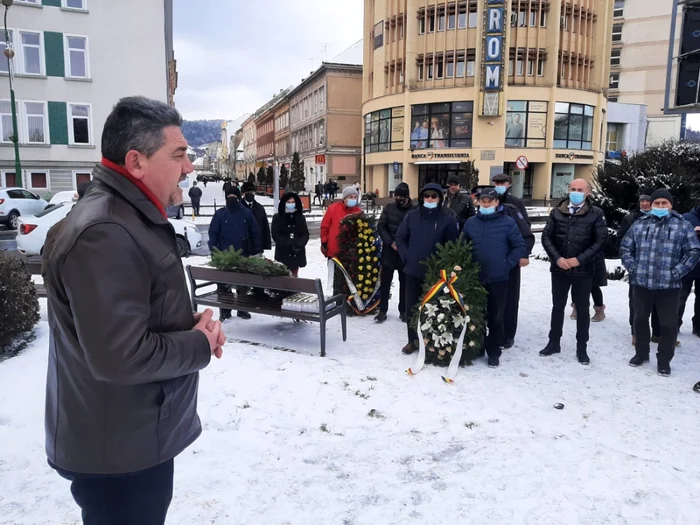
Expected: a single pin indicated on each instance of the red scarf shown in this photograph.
(139, 184)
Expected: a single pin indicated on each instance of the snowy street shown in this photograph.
(291, 438)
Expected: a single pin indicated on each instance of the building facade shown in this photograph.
(638, 62)
(250, 151)
(72, 63)
(326, 123)
(514, 86)
(283, 137)
(265, 141)
(626, 132)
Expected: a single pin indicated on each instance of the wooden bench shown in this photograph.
(34, 268)
(201, 277)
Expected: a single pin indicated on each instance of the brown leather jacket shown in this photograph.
(123, 358)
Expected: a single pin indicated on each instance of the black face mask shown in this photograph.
(249, 197)
(402, 202)
(232, 202)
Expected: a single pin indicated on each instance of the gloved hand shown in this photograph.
(324, 249)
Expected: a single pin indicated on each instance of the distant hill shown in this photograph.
(198, 132)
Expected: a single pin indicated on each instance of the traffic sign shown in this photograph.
(396, 168)
(522, 162)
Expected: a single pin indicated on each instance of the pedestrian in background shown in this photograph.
(416, 239)
(460, 205)
(258, 210)
(195, 194)
(290, 233)
(658, 252)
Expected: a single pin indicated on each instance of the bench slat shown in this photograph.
(287, 284)
(251, 304)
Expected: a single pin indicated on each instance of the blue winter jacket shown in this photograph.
(658, 253)
(497, 245)
(237, 228)
(421, 231)
(693, 217)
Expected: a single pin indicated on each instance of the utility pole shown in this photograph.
(9, 54)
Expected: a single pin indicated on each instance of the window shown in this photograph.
(543, 18)
(519, 67)
(32, 52)
(76, 56)
(443, 125)
(573, 126)
(441, 21)
(421, 25)
(611, 138)
(32, 2)
(6, 133)
(79, 127)
(431, 22)
(614, 81)
(8, 180)
(460, 67)
(384, 130)
(3, 45)
(526, 124)
(35, 123)
(462, 18)
(450, 68)
(420, 71)
(74, 4)
(473, 19)
(379, 34)
(81, 176)
(531, 68)
(612, 99)
(540, 67)
(533, 18)
(439, 67)
(470, 68)
(451, 20)
(38, 180)
(522, 18)
(619, 9)
(615, 57)
(617, 33)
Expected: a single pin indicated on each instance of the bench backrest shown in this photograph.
(33, 267)
(287, 284)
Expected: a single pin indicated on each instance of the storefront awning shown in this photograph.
(437, 162)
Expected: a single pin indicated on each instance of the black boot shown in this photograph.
(508, 343)
(243, 315)
(664, 370)
(402, 317)
(409, 349)
(582, 357)
(381, 317)
(550, 349)
(639, 360)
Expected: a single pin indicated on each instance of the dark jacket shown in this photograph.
(389, 222)
(421, 231)
(497, 245)
(659, 252)
(523, 225)
(123, 357)
(237, 228)
(581, 236)
(290, 234)
(195, 194)
(693, 217)
(319, 189)
(263, 226)
(461, 205)
(227, 186)
(507, 198)
(626, 223)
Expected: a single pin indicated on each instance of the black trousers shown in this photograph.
(318, 198)
(414, 287)
(225, 313)
(596, 295)
(581, 294)
(666, 303)
(195, 207)
(686, 288)
(495, 309)
(655, 330)
(385, 289)
(510, 315)
(141, 498)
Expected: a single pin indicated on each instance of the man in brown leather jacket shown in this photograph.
(124, 348)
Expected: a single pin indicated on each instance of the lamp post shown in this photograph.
(9, 54)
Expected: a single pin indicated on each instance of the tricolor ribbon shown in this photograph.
(363, 307)
(454, 363)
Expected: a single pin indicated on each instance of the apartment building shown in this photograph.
(326, 123)
(638, 62)
(250, 151)
(283, 137)
(516, 86)
(74, 59)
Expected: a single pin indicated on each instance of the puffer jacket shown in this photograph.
(581, 236)
(235, 226)
(330, 227)
(389, 222)
(290, 233)
(421, 231)
(659, 252)
(121, 393)
(693, 217)
(497, 245)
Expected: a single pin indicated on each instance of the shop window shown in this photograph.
(384, 130)
(444, 125)
(526, 124)
(573, 126)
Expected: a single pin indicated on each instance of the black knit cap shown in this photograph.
(233, 190)
(402, 190)
(248, 186)
(662, 193)
(453, 179)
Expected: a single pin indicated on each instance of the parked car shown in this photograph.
(175, 212)
(16, 202)
(63, 196)
(32, 231)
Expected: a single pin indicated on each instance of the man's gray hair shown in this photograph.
(137, 123)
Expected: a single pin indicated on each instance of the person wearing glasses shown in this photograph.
(420, 232)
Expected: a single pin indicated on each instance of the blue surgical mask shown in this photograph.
(487, 211)
(577, 198)
(501, 190)
(430, 205)
(290, 208)
(351, 203)
(660, 212)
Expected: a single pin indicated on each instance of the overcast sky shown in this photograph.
(232, 55)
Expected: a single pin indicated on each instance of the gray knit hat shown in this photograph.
(349, 191)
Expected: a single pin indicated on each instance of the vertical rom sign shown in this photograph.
(492, 58)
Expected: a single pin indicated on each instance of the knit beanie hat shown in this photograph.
(662, 193)
(350, 190)
(402, 190)
(233, 190)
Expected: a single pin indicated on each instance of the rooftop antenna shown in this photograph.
(324, 51)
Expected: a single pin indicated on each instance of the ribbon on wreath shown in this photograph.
(363, 307)
(448, 283)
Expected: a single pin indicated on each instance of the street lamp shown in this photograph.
(9, 54)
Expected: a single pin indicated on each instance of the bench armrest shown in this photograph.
(337, 299)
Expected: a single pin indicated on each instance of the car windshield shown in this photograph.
(48, 210)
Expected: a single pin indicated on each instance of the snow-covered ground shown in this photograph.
(291, 438)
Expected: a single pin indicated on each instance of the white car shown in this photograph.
(15, 202)
(64, 196)
(32, 231)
